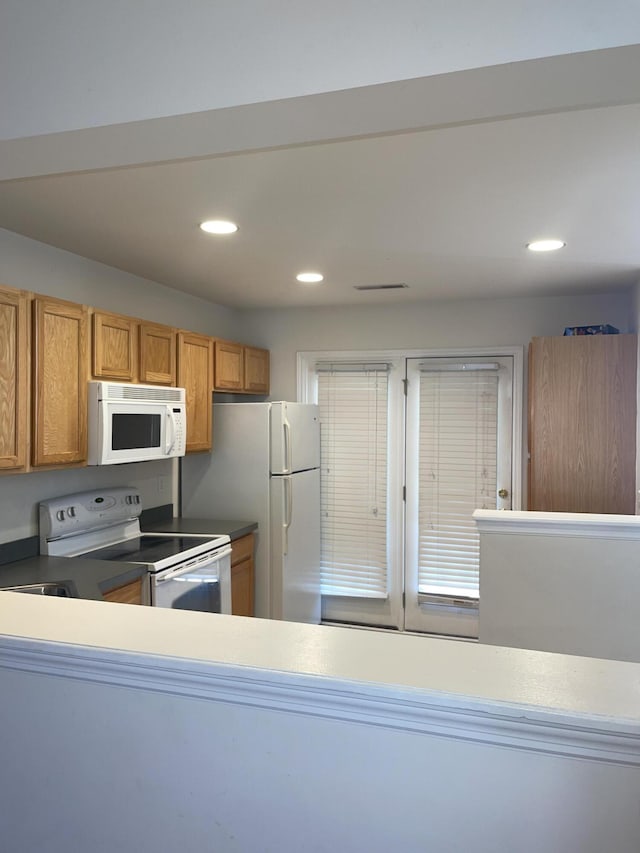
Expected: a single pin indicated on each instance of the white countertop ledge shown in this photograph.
(583, 524)
(410, 682)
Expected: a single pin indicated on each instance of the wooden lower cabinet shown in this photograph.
(60, 368)
(14, 382)
(242, 576)
(128, 593)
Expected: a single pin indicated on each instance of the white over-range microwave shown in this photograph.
(135, 423)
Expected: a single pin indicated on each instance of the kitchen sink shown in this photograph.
(59, 589)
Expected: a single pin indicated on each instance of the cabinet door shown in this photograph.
(60, 382)
(195, 374)
(13, 379)
(114, 347)
(128, 593)
(228, 366)
(242, 576)
(582, 424)
(157, 355)
(256, 370)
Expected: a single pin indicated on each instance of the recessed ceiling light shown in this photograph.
(309, 277)
(219, 226)
(545, 245)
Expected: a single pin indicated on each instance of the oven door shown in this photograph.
(202, 584)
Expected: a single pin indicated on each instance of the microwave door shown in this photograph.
(135, 432)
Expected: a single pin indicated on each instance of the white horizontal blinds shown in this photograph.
(353, 401)
(457, 472)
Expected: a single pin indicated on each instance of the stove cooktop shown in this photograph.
(149, 548)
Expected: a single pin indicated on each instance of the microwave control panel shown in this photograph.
(181, 432)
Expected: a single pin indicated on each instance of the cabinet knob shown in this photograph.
(503, 493)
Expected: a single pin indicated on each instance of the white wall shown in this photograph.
(29, 265)
(199, 733)
(487, 322)
(561, 582)
(58, 67)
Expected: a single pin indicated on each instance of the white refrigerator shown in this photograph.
(265, 467)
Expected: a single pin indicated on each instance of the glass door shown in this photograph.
(458, 459)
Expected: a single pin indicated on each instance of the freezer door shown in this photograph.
(295, 437)
(295, 547)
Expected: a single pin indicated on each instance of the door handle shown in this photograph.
(503, 493)
(288, 510)
(169, 444)
(287, 446)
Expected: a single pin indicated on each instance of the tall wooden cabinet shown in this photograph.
(14, 380)
(195, 375)
(60, 370)
(582, 424)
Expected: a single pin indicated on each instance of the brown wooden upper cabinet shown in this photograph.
(114, 347)
(59, 382)
(195, 375)
(229, 366)
(14, 381)
(240, 368)
(582, 424)
(256, 370)
(157, 355)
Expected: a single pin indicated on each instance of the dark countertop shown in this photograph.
(86, 578)
(204, 526)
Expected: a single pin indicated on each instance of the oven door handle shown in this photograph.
(163, 577)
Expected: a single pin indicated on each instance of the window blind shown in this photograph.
(457, 473)
(353, 401)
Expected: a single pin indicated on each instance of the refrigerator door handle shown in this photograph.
(288, 511)
(286, 426)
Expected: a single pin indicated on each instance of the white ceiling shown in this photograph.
(447, 211)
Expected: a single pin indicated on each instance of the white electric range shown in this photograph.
(185, 571)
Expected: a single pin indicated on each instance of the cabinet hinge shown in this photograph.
(404, 493)
(405, 384)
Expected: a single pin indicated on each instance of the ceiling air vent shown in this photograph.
(398, 286)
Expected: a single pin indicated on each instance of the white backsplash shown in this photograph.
(21, 493)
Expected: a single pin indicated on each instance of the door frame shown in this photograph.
(304, 371)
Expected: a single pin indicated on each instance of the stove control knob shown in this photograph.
(60, 515)
(137, 499)
(71, 512)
